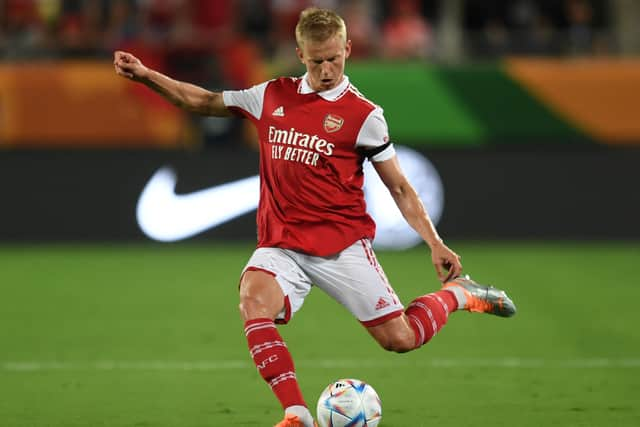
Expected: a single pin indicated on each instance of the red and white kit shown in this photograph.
(312, 146)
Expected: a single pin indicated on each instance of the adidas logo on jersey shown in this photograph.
(382, 303)
(278, 112)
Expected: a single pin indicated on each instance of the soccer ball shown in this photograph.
(351, 403)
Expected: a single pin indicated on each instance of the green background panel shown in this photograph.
(418, 107)
(459, 106)
(506, 110)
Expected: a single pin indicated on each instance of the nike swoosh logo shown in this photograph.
(166, 216)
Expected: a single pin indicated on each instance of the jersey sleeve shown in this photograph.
(374, 137)
(249, 100)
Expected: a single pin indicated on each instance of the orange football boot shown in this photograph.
(478, 298)
(291, 420)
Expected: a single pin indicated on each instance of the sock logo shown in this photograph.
(267, 361)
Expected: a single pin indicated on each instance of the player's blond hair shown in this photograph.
(318, 25)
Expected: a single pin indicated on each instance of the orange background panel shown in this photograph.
(82, 104)
(600, 96)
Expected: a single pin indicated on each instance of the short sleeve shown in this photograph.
(250, 100)
(375, 133)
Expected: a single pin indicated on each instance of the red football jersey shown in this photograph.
(311, 176)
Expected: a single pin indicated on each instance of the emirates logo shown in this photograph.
(332, 123)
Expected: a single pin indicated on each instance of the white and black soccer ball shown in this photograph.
(349, 403)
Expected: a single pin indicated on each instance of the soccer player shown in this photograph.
(315, 132)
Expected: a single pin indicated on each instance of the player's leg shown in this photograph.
(268, 295)
(394, 334)
(260, 296)
(357, 281)
(420, 322)
(427, 314)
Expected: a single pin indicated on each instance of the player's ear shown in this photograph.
(300, 54)
(347, 49)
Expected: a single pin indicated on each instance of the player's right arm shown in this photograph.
(184, 95)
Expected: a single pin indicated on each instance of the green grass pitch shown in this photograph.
(149, 335)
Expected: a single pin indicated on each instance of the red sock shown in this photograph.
(273, 360)
(428, 314)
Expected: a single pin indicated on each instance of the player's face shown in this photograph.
(324, 61)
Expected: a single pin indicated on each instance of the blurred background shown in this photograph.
(529, 109)
(521, 122)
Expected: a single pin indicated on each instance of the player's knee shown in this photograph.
(394, 335)
(400, 343)
(252, 307)
(259, 299)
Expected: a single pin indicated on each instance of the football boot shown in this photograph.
(478, 298)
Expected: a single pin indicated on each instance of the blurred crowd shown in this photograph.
(189, 37)
(560, 27)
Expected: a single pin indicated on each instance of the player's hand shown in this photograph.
(446, 262)
(129, 66)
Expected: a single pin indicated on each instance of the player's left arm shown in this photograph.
(446, 262)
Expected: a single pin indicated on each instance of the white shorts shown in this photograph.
(352, 277)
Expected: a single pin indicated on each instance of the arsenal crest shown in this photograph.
(332, 123)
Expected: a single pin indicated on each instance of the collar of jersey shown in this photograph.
(331, 94)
